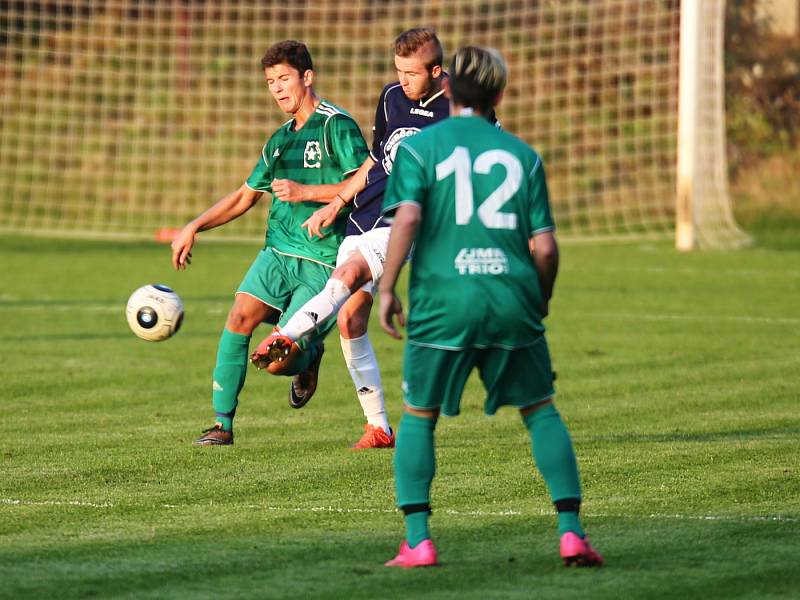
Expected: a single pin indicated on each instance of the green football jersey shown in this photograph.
(327, 148)
(483, 194)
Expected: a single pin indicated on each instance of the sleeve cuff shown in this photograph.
(543, 229)
(396, 205)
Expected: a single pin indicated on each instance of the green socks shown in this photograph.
(568, 521)
(229, 375)
(555, 458)
(231, 369)
(414, 468)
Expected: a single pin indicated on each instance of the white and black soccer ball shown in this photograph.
(155, 312)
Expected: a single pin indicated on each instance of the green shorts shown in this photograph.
(286, 283)
(435, 378)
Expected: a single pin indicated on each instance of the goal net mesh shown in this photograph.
(122, 117)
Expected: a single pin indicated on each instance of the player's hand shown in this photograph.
(389, 307)
(182, 247)
(322, 217)
(288, 190)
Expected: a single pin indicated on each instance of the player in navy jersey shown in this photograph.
(405, 107)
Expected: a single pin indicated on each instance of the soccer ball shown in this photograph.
(154, 312)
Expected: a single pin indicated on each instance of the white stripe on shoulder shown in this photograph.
(325, 128)
(385, 96)
(414, 153)
(330, 108)
(325, 134)
(536, 166)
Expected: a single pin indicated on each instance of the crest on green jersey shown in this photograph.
(312, 157)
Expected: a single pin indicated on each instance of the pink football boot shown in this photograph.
(576, 550)
(421, 555)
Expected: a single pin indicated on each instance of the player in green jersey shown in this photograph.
(320, 144)
(474, 200)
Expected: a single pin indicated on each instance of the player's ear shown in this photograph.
(308, 78)
(436, 71)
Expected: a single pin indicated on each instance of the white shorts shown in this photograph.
(372, 245)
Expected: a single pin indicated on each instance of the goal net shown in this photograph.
(122, 117)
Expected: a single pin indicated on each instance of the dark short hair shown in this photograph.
(477, 76)
(420, 39)
(290, 52)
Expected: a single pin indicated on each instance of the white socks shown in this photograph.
(363, 367)
(316, 311)
(358, 352)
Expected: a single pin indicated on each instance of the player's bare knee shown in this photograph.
(352, 323)
(347, 275)
(527, 410)
(354, 272)
(240, 322)
(425, 414)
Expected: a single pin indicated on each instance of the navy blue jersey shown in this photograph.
(396, 118)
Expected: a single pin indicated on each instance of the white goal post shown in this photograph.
(120, 118)
(703, 214)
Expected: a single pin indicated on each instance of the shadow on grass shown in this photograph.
(321, 557)
(775, 230)
(700, 436)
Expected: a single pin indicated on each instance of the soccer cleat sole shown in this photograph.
(277, 351)
(211, 443)
(297, 401)
(401, 565)
(582, 560)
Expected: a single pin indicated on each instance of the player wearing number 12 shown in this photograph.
(474, 198)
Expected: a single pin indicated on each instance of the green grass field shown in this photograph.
(678, 378)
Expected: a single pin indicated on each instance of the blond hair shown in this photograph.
(477, 76)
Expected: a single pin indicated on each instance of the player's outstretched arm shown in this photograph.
(325, 216)
(544, 251)
(404, 231)
(228, 208)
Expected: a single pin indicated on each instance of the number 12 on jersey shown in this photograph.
(460, 163)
